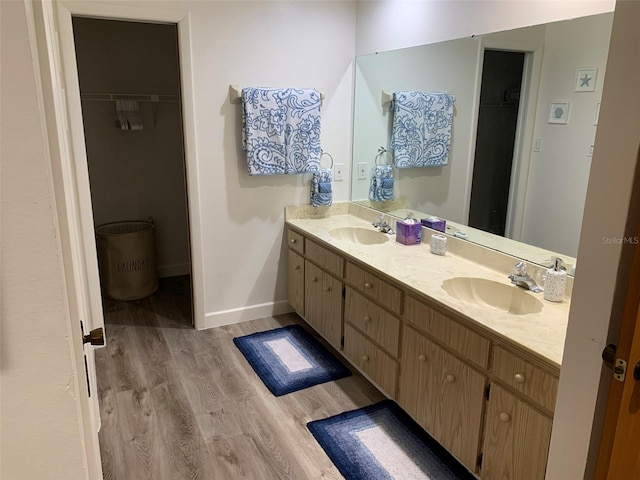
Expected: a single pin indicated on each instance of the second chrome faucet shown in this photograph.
(521, 278)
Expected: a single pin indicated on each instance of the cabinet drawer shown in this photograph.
(375, 288)
(382, 368)
(295, 241)
(540, 386)
(379, 325)
(460, 339)
(326, 259)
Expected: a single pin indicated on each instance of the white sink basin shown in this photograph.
(493, 295)
(362, 236)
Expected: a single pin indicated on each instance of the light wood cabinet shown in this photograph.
(372, 320)
(467, 343)
(295, 241)
(374, 287)
(535, 383)
(323, 303)
(443, 395)
(438, 365)
(516, 439)
(380, 367)
(296, 282)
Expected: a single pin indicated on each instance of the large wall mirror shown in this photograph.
(524, 123)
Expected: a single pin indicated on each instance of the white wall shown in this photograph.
(558, 175)
(280, 44)
(39, 429)
(135, 174)
(390, 24)
(600, 278)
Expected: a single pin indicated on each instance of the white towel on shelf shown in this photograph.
(281, 130)
(421, 133)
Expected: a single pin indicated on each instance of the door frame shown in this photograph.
(524, 131)
(78, 164)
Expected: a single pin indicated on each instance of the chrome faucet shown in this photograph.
(521, 278)
(382, 225)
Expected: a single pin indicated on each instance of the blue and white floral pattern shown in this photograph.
(281, 130)
(381, 188)
(321, 189)
(421, 134)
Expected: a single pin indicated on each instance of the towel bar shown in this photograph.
(235, 93)
(387, 97)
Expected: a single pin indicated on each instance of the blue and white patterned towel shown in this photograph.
(281, 130)
(381, 188)
(421, 134)
(321, 189)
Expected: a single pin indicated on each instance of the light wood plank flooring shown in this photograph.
(177, 403)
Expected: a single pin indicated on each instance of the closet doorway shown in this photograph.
(129, 76)
(498, 114)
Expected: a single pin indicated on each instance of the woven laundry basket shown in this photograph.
(127, 259)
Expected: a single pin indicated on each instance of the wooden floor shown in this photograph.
(177, 403)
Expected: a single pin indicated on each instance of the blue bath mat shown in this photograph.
(382, 442)
(288, 359)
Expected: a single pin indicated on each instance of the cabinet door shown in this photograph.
(442, 394)
(331, 319)
(323, 303)
(312, 294)
(516, 439)
(296, 282)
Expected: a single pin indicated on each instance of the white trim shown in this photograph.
(41, 22)
(245, 314)
(149, 14)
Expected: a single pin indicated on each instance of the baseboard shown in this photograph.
(245, 314)
(173, 270)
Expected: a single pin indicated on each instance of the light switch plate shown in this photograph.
(537, 145)
(362, 171)
(338, 174)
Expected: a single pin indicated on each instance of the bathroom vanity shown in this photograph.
(476, 365)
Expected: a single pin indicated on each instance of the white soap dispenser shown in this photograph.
(555, 281)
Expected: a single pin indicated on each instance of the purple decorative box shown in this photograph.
(435, 223)
(408, 233)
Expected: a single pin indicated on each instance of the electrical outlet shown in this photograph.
(537, 145)
(338, 175)
(362, 171)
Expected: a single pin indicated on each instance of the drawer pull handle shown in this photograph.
(367, 318)
(293, 240)
(314, 279)
(422, 358)
(368, 285)
(450, 378)
(326, 289)
(365, 358)
(297, 267)
(504, 417)
(519, 378)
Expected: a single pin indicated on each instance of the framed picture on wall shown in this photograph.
(585, 80)
(559, 112)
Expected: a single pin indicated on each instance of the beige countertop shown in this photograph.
(417, 269)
